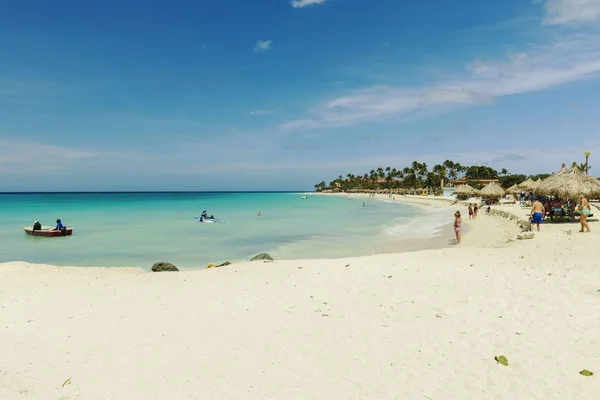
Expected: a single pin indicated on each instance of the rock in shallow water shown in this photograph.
(163, 267)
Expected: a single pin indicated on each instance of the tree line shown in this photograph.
(419, 176)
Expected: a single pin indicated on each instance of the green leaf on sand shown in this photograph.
(585, 372)
(501, 360)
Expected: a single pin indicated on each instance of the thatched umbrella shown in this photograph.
(570, 184)
(492, 189)
(526, 184)
(534, 186)
(514, 189)
(562, 170)
(465, 189)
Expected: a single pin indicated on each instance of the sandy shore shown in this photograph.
(419, 325)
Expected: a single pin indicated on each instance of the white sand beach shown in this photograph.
(416, 325)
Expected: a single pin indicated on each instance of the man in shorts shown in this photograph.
(537, 213)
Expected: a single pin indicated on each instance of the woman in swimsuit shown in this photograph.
(470, 211)
(457, 223)
(584, 212)
(475, 209)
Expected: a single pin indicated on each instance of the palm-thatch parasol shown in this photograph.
(492, 189)
(526, 184)
(534, 186)
(570, 184)
(562, 170)
(465, 189)
(514, 189)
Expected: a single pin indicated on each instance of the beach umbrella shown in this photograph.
(465, 189)
(562, 170)
(534, 186)
(526, 184)
(492, 189)
(514, 189)
(570, 184)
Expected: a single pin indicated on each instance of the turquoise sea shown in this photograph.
(138, 229)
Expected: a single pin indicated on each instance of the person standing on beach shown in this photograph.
(584, 212)
(470, 211)
(475, 209)
(537, 213)
(457, 224)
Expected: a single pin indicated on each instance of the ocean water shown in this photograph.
(138, 229)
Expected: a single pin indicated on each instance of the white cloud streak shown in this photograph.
(572, 11)
(262, 45)
(572, 59)
(22, 156)
(306, 3)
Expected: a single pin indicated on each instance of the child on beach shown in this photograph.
(457, 223)
(470, 211)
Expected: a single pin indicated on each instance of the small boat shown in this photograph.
(304, 197)
(47, 231)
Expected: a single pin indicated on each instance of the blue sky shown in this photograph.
(280, 94)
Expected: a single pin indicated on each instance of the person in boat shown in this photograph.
(37, 226)
(59, 225)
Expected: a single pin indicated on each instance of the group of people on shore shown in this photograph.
(538, 213)
(472, 209)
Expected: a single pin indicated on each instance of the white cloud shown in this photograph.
(262, 45)
(571, 59)
(572, 11)
(18, 156)
(305, 3)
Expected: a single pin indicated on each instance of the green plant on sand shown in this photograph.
(501, 360)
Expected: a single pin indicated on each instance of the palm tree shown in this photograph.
(582, 167)
(504, 172)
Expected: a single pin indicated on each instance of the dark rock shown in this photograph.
(163, 267)
(262, 256)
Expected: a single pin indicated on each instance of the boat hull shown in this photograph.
(47, 232)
